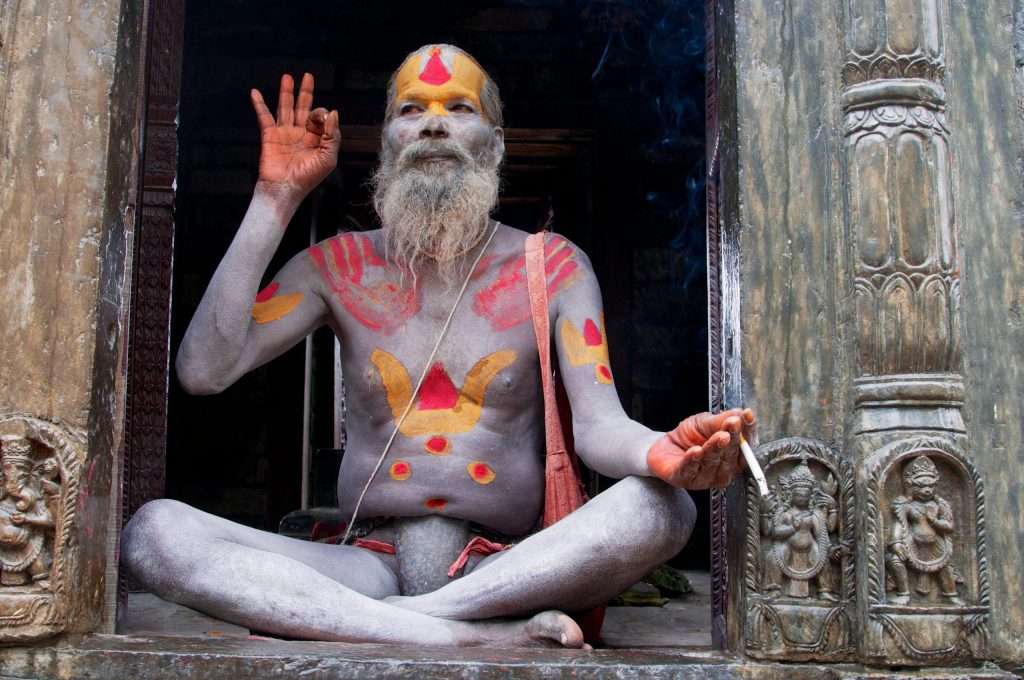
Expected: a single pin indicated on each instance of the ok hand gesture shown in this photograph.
(300, 148)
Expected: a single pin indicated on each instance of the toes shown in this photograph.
(554, 627)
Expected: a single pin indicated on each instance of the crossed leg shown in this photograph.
(581, 562)
(324, 592)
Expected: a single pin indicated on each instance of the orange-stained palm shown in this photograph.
(300, 148)
(703, 451)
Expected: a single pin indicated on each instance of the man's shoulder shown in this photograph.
(513, 238)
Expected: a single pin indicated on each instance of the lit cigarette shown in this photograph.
(755, 469)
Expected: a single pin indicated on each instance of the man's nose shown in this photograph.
(434, 127)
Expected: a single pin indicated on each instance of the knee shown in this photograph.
(668, 515)
(148, 543)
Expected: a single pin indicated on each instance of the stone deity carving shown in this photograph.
(464, 466)
(798, 522)
(921, 537)
(26, 518)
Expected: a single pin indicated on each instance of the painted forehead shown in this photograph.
(439, 73)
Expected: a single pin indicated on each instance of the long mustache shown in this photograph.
(424, 149)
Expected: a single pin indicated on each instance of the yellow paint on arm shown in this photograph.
(588, 347)
(276, 307)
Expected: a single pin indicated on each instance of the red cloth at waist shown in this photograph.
(478, 545)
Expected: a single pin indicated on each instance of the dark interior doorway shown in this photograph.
(604, 105)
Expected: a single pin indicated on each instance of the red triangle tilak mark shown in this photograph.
(435, 73)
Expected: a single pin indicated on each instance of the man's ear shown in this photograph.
(499, 142)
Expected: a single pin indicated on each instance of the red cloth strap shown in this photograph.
(477, 545)
(375, 546)
(562, 492)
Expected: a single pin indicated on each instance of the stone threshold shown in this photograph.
(118, 657)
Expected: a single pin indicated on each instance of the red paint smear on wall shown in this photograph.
(591, 335)
(267, 292)
(438, 390)
(383, 306)
(506, 303)
(435, 73)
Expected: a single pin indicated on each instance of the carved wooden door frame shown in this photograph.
(145, 442)
(145, 432)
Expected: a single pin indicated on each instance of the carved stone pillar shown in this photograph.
(922, 586)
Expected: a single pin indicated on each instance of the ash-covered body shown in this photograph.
(469, 455)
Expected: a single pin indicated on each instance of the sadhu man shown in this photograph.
(453, 439)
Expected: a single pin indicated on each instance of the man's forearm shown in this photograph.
(615, 447)
(217, 334)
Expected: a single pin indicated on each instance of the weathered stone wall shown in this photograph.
(66, 178)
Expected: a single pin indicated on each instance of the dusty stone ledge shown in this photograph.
(155, 658)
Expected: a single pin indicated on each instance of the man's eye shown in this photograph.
(408, 109)
(462, 108)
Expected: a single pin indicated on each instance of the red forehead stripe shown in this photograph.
(435, 73)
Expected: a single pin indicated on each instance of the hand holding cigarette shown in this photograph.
(705, 450)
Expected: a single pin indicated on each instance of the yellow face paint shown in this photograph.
(444, 75)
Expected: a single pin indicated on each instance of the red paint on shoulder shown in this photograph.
(506, 303)
(438, 391)
(435, 73)
(267, 292)
(382, 306)
(436, 503)
(591, 335)
(485, 262)
(370, 255)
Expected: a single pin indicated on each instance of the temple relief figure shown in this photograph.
(797, 522)
(25, 518)
(921, 537)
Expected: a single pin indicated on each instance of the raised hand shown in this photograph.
(703, 451)
(300, 148)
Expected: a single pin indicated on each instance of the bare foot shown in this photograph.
(554, 627)
(547, 629)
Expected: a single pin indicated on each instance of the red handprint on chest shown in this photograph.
(371, 291)
(505, 302)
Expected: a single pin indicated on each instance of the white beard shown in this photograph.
(434, 210)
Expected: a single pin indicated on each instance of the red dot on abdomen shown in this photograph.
(437, 446)
(436, 503)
